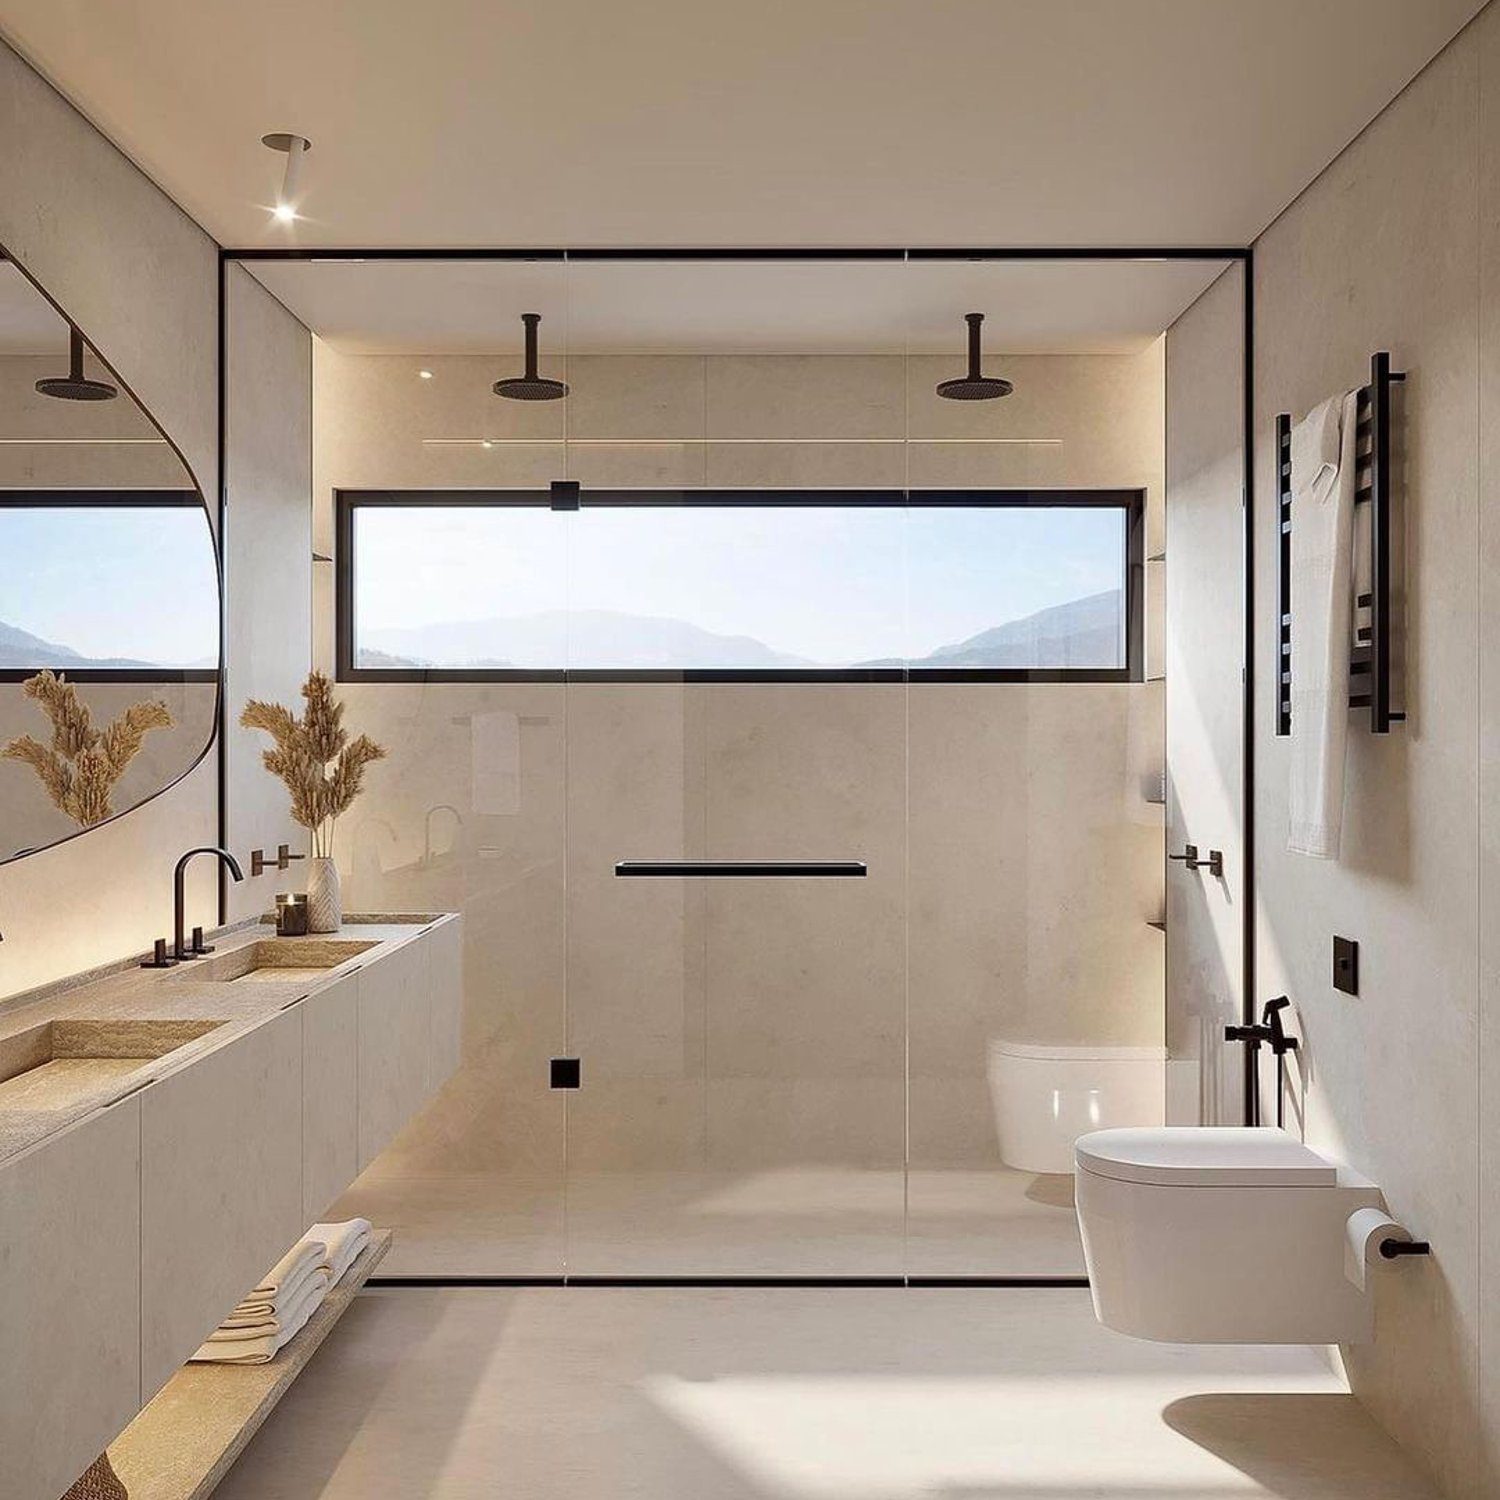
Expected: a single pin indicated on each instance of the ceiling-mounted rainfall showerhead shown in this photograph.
(974, 386)
(530, 386)
(75, 385)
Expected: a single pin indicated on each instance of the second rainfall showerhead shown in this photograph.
(974, 386)
(75, 385)
(530, 386)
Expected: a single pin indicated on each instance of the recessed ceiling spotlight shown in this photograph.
(488, 443)
(530, 386)
(75, 385)
(424, 374)
(974, 386)
(295, 147)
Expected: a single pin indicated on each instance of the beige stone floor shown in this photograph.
(793, 1394)
(784, 1221)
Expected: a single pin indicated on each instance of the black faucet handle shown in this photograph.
(160, 958)
(284, 856)
(198, 945)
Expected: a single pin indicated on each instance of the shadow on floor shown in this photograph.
(1301, 1447)
(1055, 1189)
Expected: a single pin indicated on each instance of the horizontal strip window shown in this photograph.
(678, 585)
(81, 590)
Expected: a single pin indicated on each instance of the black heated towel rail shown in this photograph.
(742, 867)
(1370, 656)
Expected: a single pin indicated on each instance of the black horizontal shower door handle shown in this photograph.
(732, 868)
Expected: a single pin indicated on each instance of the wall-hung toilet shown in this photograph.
(1220, 1234)
(1046, 1096)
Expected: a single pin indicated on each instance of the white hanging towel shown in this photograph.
(1323, 464)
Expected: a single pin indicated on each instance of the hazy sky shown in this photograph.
(112, 582)
(833, 584)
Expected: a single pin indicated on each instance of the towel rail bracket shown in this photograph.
(1370, 657)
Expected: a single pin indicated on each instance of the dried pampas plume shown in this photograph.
(320, 765)
(81, 766)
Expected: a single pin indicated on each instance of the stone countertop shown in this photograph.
(126, 994)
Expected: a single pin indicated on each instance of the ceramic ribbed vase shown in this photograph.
(325, 902)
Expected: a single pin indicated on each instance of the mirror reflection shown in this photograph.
(109, 591)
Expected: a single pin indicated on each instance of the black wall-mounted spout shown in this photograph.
(1214, 864)
(180, 950)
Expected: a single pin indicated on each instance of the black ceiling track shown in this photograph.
(737, 253)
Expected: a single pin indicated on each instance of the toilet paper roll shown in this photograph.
(1363, 1234)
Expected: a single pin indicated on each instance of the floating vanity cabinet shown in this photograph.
(69, 1300)
(221, 1186)
(330, 1101)
(395, 1043)
(127, 1235)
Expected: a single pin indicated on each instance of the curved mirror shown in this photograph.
(109, 588)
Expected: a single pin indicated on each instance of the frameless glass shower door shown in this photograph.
(736, 782)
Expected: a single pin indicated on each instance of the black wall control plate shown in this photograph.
(1346, 965)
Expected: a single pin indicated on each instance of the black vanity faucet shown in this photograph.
(179, 949)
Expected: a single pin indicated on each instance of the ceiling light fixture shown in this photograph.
(424, 374)
(974, 386)
(530, 386)
(295, 147)
(75, 385)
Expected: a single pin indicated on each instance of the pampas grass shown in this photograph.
(319, 764)
(82, 765)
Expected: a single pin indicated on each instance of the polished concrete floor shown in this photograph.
(787, 1394)
(784, 1221)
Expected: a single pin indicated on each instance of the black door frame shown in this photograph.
(1243, 255)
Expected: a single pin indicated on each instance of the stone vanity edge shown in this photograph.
(123, 991)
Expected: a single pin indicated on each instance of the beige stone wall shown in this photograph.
(1203, 572)
(268, 561)
(1393, 247)
(1014, 863)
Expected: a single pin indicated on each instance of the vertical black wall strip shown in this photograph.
(221, 728)
(1247, 772)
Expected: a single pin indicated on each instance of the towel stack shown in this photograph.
(271, 1313)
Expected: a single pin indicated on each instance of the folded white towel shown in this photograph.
(1323, 465)
(345, 1243)
(258, 1347)
(307, 1252)
(257, 1307)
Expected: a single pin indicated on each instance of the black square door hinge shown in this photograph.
(565, 494)
(566, 1072)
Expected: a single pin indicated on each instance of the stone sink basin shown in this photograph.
(274, 961)
(59, 1063)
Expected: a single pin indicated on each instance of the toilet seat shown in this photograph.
(1198, 1156)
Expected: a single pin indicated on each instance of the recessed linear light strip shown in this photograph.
(726, 442)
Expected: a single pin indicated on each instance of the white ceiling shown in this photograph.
(800, 307)
(758, 122)
(28, 322)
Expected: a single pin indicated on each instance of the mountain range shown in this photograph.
(1081, 633)
(19, 648)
